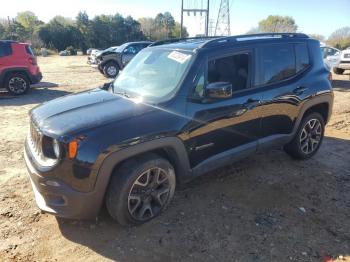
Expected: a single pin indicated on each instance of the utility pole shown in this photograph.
(223, 23)
(194, 11)
(211, 27)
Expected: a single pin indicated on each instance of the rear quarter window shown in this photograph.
(29, 50)
(5, 49)
(302, 57)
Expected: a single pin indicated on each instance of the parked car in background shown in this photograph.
(110, 62)
(63, 53)
(18, 67)
(90, 50)
(331, 56)
(92, 58)
(343, 62)
(175, 112)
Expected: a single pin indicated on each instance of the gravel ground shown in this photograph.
(265, 208)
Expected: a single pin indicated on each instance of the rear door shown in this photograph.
(280, 73)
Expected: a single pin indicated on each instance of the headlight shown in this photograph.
(45, 150)
(56, 148)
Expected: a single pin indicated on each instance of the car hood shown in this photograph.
(72, 113)
(108, 53)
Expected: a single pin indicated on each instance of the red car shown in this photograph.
(18, 67)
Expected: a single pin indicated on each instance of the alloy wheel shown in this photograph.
(111, 70)
(310, 136)
(149, 194)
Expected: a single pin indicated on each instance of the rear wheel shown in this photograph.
(309, 137)
(17, 84)
(338, 71)
(111, 70)
(140, 189)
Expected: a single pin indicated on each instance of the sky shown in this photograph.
(311, 16)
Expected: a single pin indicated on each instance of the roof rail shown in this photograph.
(8, 41)
(237, 38)
(177, 40)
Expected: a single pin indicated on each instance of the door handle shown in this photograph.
(248, 105)
(299, 90)
(251, 103)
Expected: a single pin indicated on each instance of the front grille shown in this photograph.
(345, 62)
(35, 138)
(347, 56)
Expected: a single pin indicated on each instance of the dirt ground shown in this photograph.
(265, 208)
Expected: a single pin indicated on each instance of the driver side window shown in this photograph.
(233, 69)
(199, 88)
(130, 50)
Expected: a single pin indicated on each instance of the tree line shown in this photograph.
(286, 24)
(104, 31)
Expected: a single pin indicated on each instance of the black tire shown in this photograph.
(338, 71)
(111, 70)
(17, 84)
(303, 145)
(131, 203)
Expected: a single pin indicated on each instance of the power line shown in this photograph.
(195, 10)
(223, 27)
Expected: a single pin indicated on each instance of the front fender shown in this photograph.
(108, 163)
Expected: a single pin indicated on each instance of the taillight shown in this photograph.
(330, 78)
(32, 60)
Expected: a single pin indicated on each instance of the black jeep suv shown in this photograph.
(112, 60)
(175, 112)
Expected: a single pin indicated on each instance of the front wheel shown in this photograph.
(17, 84)
(309, 137)
(140, 189)
(111, 70)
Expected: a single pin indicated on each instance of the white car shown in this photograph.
(343, 62)
(92, 56)
(331, 56)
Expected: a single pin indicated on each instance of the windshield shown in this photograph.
(120, 48)
(110, 49)
(153, 74)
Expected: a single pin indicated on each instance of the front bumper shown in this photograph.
(55, 197)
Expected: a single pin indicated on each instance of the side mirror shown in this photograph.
(219, 90)
(106, 86)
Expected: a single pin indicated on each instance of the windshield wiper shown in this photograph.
(122, 93)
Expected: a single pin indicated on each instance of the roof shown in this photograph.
(207, 42)
(139, 42)
(8, 41)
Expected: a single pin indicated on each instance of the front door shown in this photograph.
(220, 126)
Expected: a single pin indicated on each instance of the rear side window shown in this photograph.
(302, 57)
(277, 63)
(5, 49)
(29, 50)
